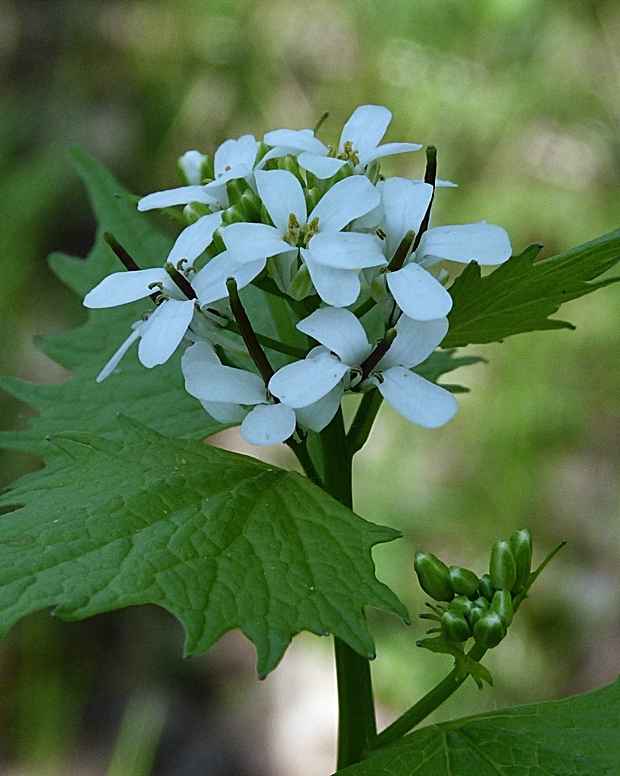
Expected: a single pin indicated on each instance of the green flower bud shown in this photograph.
(195, 210)
(195, 168)
(454, 626)
(503, 566)
(486, 588)
(344, 172)
(232, 215)
(521, 546)
(461, 604)
(301, 285)
(265, 218)
(251, 205)
(218, 243)
(474, 615)
(502, 604)
(433, 576)
(289, 163)
(313, 195)
(207, 170)
(489, 630)
(235, 189)
(373, 171)
(482, 603)
(463, 581)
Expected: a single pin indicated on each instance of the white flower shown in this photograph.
(331, 255)
(162, 332)
(359, 143)
(346, 347)
(190, 167)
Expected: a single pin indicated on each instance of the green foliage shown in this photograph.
(219, 539)
(579, 735)
(520, 295)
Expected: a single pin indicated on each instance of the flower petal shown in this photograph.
(304, 382)
(415, 341)
(340, 331)
(365, 128)
(164, 330)
(316, 416)
(404, 204)
(181, 196)
(123, 287)
(321, 166)
(269, 424)
(234, 154)
(387, 149)
(485, 243)
(282, 195)
(225, 412)
(114, 361)
(199, 352)
(194, 239)
(345, 201)
(418, 294)
(191, 164)
(210, 283)
(338, 287)
(296, 140)
(417, 399)
(249, 242)
(346, 250)
(212, 382)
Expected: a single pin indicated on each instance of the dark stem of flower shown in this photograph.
(125, 259)
(377, 354)
(180, 280)
(247, 332)
(430, 175)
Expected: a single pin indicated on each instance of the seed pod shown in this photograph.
(502, 604)
(486, 588)
(251, 204)
(521, 546)
(454, 626)
(489, 630)
(433, 576)
(461, 604)
(463, 581)
(503, 566)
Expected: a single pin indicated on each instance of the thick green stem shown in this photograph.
(364, 418)
(356, 724)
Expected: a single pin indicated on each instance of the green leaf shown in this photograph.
(153, 396)
(521, 294)
(443, 361)
(579, 735)
(219, 539)
(466, 665)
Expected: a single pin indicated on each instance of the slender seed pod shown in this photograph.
(454, 626)
(251, 205)
(433, 576)
(489, 630)
(485, 588)
(521, 545)
(461, 604)
(463, 581)
(502, 604)
(503, 566)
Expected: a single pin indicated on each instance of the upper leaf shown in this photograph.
(219, 539)
(520, 295)
(579, 735)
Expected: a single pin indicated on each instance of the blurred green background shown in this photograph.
(522, 99)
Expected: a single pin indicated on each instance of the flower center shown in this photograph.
(299, 235)
(349, 154)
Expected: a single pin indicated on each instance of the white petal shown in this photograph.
(210, 283)
(346, 250)
(249, 242)
(123, 287)
(197, 353)
(485, 243)
(419, 400)
(320, 166)
(214, 382)
(164, 330)
(233, 154)
(296, 141)
(268, 424)
(405, 204)
(304, 382)
(345, 201)
(387, 149)
(415, 341)
(340, 331)
(365, 128)
(338, 287)
(418, 294)
(114, 361)
(194, 239)
(282, 195)
(181, 196)
(225, 412)
(191, 163)
(316, 416)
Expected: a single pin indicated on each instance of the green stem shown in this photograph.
(425, 706)
(363, 420)
(356, 724)
(272, 344)
(303, 456)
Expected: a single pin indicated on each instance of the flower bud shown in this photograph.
(521, 545)
(195, 210)
(463, 581)
(344, 172)
(289, 163)
(503, 567)
(232, 215)
(194, 168)
(313, 195)
(474, 615)
(485, 588)
(301, 285)
(502, 604)
(218, 242)
(433, 576)
(482, 603)
(454, 626)
(489, 630)
(235, 189)
(461, 604)
(251, 205)
(373, 171)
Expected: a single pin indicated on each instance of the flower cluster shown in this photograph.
(321, 227)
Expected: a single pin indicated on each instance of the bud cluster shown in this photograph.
(469, 606)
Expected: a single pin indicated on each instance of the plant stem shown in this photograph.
(425, 706)
(363, 420)
(356, 724)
